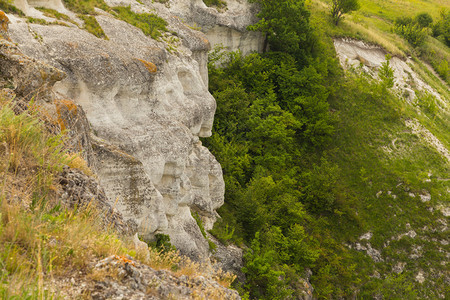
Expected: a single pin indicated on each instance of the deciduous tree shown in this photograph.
(341, 7)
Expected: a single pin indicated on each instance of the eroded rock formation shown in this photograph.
(147, 103)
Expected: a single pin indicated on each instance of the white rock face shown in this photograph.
(147, 107)
(226, 27)
(355, 53)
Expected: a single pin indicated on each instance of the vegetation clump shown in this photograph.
(216, 3)
(413, 32)
(150, 24)
(91, 25)
(85, 6)
(55, 14)
(442, 27)
(7, 7)
(198, 220)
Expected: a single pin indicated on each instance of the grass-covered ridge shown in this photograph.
(150, 24)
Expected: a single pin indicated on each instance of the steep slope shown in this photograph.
(147, 103)
(364, 214)
(60, 235)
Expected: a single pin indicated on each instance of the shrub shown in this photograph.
(424, 20)
(341, 7)
(386, 73)
(427, 102)
(413, 33)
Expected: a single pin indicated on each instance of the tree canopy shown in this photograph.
(286, 25)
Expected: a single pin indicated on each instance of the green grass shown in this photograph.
(378, 153)
(150, 24)
(56, 15)
(85, 6)
(91, 25)
(9, 8)
(44, 22)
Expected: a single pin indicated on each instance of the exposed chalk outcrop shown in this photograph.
(147, 103)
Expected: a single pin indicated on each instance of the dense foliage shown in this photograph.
(286, 25)
(299, 146)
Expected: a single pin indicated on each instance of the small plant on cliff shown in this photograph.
(7, 7)
(55, 14)
(216, 3)
(212, 246)
(386, 73)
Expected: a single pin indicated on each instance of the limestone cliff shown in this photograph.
(147, 104)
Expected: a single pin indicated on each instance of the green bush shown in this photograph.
(162, 243)
(427, 102)
(442, 27)
(413, 33)
(386, 73)
(424, 20)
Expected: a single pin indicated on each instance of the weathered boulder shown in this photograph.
(28, 77)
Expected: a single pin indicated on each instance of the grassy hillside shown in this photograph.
(375, 20)
(364, 204)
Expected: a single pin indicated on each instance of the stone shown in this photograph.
(30, 79)
(366, 236)
(137, 110)
(420, 277)
(227, 27)
(82, 191)
(425, 197)
(399, 267)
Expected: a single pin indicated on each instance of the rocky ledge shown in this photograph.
(146, 103)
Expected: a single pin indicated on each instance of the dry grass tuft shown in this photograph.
(75, 161)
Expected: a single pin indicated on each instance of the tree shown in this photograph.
(340, 7)
(386, 73)
(286, 25)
